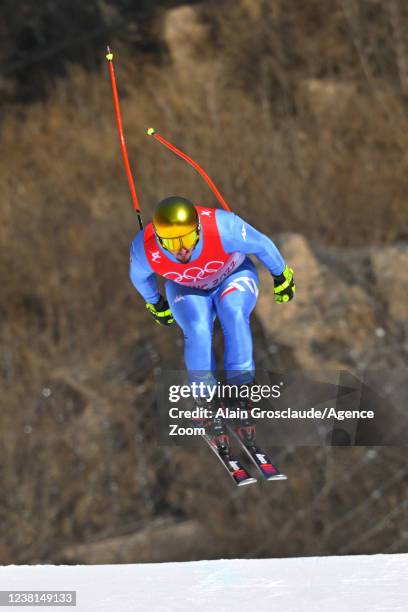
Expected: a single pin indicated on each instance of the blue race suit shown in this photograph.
(232, 300)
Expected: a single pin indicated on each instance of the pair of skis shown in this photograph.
(234, 467)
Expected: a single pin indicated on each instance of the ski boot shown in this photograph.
(246, 430)
(216, 430)
(219, 435)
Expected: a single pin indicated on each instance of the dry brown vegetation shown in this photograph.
(298, 111)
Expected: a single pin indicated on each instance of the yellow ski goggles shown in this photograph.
(187, 241)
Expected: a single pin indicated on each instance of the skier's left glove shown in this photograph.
(285, 287)
(161, 312)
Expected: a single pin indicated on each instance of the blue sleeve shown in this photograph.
(237, 235)
(141, 274)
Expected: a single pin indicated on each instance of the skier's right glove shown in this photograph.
(161, 312)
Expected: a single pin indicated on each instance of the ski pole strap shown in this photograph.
(189, 160)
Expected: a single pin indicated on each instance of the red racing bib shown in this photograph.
(205, 272)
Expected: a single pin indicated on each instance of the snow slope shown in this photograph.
(340, 584)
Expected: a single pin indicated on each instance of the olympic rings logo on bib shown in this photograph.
(195, 273)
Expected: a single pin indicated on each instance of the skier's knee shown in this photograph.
(197, 332)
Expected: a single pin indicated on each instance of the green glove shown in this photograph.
(285, 287)
(161, 312)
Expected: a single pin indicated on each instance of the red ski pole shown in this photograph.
(193, 163)
(109, 57)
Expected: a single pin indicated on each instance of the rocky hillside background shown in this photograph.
(299, 114)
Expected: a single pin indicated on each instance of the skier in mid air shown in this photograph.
(203, 253)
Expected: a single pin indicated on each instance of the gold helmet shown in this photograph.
(176, 223)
